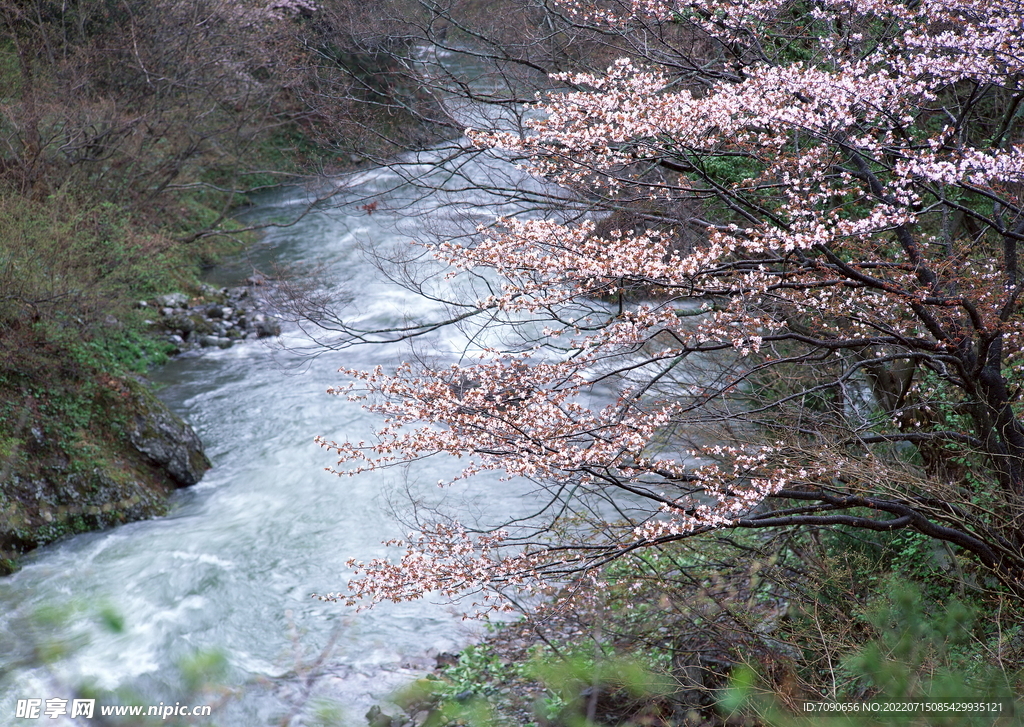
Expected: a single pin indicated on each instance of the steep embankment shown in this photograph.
(83, 443)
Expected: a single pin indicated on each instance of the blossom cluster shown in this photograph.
(843, 177)
(729, 493)
(445, 559)
(524, 420)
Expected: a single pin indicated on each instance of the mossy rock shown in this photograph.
(165, 439)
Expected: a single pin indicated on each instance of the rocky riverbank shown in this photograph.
(89, 449)
(213, 318)
(66, 472)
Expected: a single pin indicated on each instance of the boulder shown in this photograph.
(180, 323)
(164, 438)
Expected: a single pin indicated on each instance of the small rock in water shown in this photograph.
(376, 718)
(446, 659)
(268, 327)
(214, 342)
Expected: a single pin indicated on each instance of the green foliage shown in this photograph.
(202, 668)
(10, 73)
(920, 656)
(463, 692)
(325, 713)
(478, 667)
(574, 680)
(730, 170)
(287, 150)
(111, 619)
(866, 619)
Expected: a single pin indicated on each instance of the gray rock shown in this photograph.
(172, 300)
(167, 312)
(176, 340)
(214, 342)
(181, 323)
(167, 441)
(267, 327)
(377, 718)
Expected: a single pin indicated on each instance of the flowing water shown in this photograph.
(232, 567)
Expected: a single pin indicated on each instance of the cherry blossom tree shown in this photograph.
(799, 282)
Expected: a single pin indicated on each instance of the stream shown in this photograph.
(231, 568)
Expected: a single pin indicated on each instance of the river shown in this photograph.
(232, 567)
